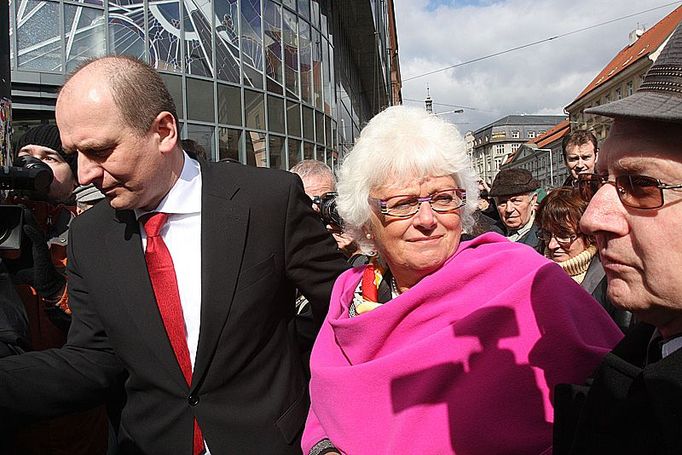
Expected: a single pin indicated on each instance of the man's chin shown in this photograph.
(119, 203)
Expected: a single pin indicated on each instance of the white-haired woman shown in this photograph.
(440, 346)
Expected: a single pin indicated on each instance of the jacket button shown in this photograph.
(193, 400)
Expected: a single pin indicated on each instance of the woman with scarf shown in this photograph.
(561, 241)
(440, 346)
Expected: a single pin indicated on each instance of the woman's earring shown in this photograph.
(369, 236)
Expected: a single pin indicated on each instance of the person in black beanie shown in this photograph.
(43, 142)
(38, 273)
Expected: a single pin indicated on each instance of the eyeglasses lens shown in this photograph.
(639, 191)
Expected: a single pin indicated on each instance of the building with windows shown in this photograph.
(494, 143)
(266, 82)
(622, 76)
(543, 157)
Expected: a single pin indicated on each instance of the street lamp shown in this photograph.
(456, 111)
(551, 166)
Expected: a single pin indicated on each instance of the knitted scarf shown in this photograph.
(577, 266)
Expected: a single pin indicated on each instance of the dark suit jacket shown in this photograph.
(628, 409)
(260, 240)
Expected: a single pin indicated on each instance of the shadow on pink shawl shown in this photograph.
(464, 362)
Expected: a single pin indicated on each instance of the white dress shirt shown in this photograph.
(182, 235)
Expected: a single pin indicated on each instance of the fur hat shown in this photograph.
(513, 181)
(659, 97)
(47, 136)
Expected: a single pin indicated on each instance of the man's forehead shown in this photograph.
(642, 148)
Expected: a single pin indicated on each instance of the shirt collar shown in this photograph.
(515, 235)
(185, 195)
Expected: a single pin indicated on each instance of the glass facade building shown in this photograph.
(265, 82)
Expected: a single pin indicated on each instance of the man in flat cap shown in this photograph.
(514, 193)
(634, 405)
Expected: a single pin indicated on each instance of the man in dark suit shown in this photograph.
(194, 310)
(634, 404)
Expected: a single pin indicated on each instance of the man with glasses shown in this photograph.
(514, 193)
(634, 404)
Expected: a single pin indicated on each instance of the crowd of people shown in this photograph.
(220, 308)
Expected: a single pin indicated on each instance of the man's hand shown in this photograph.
(42, 276)
(343, 241)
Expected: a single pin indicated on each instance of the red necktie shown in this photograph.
(165, 284)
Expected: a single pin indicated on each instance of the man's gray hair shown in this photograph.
(307, 168)
(399, 144)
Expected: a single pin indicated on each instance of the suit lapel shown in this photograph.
(223, 237)
(136, 294)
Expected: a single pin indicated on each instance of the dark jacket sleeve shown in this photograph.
(313, 261)
(58, 381)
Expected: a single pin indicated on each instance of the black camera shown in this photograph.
(30, 178)
(327, 205)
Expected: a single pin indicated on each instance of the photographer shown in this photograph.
(320, 185)
(37, 270)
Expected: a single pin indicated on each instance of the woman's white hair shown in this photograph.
(398, 145)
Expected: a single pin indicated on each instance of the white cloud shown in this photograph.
(541, 79)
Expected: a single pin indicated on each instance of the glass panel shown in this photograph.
(229, 105)
(290, 3)
(202, 135)
(256, 155)
(198, 46)
(324, 11)
(294, 152)
(306, 62)
(328, 131)
(227, 40)
(276, 146)
(315, 13)
(317, 69)
(289, 23)
(39, 43)
(332, 81)
(304, 8)
(228, 144)
(320, 153)
(319, 127)
(272, 42)
(200, 100)
(252, 43)
(164, 35)
(308, 151)
(174, 86)
(294, 118)
(126, 30)
(275, 114)
(254, 109)
(308, 131)
(84, 34)
(326, 77)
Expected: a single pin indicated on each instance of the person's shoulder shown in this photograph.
(95, 219)
(245, 175)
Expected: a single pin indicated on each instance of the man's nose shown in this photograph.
(605, 213)
(88, 170)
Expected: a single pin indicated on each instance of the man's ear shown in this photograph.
(166, 128)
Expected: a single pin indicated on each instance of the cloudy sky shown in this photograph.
(540, 79)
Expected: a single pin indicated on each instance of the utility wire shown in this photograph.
(534, 43)
(448, 105)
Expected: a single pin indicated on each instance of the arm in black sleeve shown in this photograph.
(313, 260)
(58, 381)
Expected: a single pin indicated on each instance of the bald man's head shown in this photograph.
(137, 89)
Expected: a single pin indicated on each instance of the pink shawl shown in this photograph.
(464, 362)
